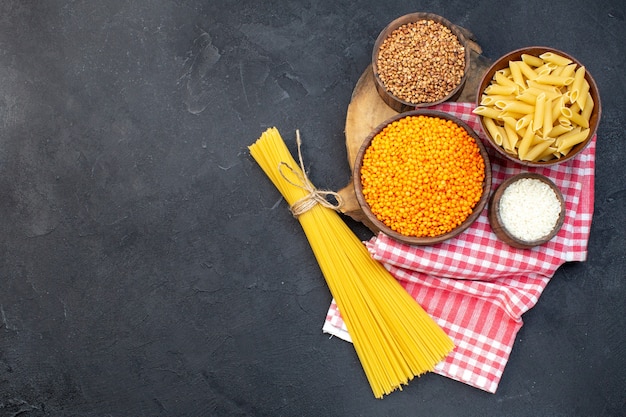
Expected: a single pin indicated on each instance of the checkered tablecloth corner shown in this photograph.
(477, 287)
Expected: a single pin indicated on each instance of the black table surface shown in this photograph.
(147, 265)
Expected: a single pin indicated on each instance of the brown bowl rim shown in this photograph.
(413, 240)
(495, 219)
(391, 100)
(536, 50)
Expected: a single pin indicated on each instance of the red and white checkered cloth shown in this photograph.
(477, 287)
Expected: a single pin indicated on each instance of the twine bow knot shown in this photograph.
(314, 195)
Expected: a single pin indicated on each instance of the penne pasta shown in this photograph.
(568, 70)
(588, 108)
(577, 118)
(510, 138)
(574, 131)
(567, 112)
(547, 118)
(526, 141)
(526, 70)
(582, 97)
(538, 139)
(490, 112)
(548, 154)
(505, 71)
(546, 68)
(523, 122)
(577, 84)
(555, 58)
(538, 114)
(502, 79)
(513, 114)
(528, 97)
(490, 100)
(572, 140)
(549, 91)
(494, 130)
(532, 60)
(516, 74)
(554, 80)
(519, 107)
(500, 90)
(536, 151)
(557, 106)
(564, 121)
(501, 104)
(559, 130)
(558, 70)
(533, 85)
(510, 121)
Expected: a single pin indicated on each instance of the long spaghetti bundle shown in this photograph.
(394, 338)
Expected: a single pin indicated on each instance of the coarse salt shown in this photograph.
(529, 209)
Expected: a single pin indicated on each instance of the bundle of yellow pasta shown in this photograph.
(395, 339)
(538, 107)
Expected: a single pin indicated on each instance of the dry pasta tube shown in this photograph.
(503, 90)
(502, 79)
(567, 70)
(547, 118)
(509, 141)
(494, 130)
(487, 100)
(578, 119)
(526, 141)
(490, 112)
(584, 93)
(548, 68)
(526, 70)
(532, 60)
(559, 130)
(537, 150)
(557, 106)
(577, 85)
(523, 122)
(569, 140)
(555, 58)
(555, 80)
(394, 338)
(516, 74)
(539, 112)
(588, 107)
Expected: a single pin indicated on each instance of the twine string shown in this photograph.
(314, 195)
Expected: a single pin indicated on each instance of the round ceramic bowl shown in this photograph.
(502, 64)
(498, 223)
(414, 240)
(401, 105)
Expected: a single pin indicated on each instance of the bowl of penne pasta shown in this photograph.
(419, 60)
(538, 106)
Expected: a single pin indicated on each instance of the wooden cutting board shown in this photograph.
(367, 110)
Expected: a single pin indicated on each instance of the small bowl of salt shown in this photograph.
(526, 210)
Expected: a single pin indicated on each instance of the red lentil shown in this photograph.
(422, 175)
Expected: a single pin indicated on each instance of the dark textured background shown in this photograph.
(148, 267)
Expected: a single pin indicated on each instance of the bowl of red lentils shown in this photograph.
(419, 60)
(422, 177)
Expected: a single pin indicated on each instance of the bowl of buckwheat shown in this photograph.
(419, 60)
